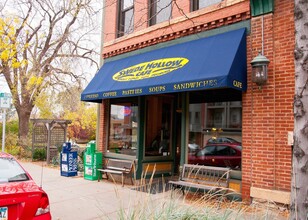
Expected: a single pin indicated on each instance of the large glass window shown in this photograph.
(198, 4)
(123, 127)
(160, 10)
(224, 115)
(126, 17)
(215, 134)
(158, 126)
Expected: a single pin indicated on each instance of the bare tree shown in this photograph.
(299, 191)
(40, 43)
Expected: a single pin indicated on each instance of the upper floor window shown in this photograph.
(160, 10)
(198, 4)
(126, 17)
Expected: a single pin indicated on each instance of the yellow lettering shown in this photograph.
(109, 94)
(131, 91)
(237, 84)
(197, 84)
(91, 96)
(157, 89)
(150, 69)
(138, 91)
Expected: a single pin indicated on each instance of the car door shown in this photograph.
(204, 156)
(226, 156)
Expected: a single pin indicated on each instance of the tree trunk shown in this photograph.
(299, 190)
(24, 113)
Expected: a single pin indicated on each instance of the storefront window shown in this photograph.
(123, 127)
(158, 126)
(215, 134)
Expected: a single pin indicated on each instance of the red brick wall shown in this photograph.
(211, 17)
(110, 20)
(103, 126)
(141, 20)
(180, 8)
(268, 113)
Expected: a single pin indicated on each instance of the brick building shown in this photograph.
(176, 70)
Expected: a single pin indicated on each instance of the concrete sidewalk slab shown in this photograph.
(74, 198)
(77, 198)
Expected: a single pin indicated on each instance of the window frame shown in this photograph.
(133, 101)
(121, 18)
(195, 5)
(153, 12)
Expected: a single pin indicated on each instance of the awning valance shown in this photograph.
(214, 62)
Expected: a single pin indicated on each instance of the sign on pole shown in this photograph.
(5, 103)
(5, 100)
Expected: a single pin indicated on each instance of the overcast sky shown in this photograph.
(3, 85)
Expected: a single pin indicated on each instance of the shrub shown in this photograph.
(13, 150)
(39, 154)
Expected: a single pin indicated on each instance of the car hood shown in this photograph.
(19, 187)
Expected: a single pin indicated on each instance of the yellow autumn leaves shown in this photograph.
(9, 46)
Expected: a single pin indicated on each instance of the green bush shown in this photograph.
(11, 139)
(39, 154)
(12, 127)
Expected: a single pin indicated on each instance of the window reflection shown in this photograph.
(215, 134)
(123, 128)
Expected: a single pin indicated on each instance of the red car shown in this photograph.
(20, 197)
(219, 155)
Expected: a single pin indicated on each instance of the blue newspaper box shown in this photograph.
(68, 163)
(66, 147)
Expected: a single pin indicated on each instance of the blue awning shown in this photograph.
(214, 62)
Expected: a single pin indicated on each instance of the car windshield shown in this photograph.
(222, 140)
(11, 171)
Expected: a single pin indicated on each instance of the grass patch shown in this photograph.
(168, 204)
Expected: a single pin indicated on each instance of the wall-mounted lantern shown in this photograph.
(259, 69)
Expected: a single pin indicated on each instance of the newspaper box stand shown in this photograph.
(68, 161)
(92, 162)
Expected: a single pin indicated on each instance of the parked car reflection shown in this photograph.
(222, 140)
(220, 155)
(193, 147)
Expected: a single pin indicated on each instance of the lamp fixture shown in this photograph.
(259, 69)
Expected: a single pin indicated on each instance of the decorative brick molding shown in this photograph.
(178, 34)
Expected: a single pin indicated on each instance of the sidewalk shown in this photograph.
(73, 198)
(76, 198)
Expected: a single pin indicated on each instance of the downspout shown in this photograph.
(101, 62)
